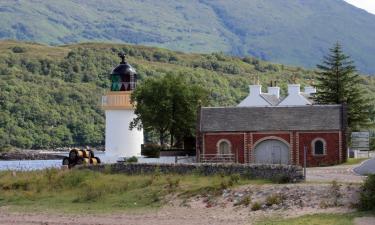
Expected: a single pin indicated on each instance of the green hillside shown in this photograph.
(292, 32)
(49, 96)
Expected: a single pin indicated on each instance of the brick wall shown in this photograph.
(243, 145)
(332, 148)
(236, 140)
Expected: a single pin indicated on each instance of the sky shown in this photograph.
(368, 5)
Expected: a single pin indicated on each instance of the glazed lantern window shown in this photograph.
(124, 76)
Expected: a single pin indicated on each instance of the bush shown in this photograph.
(256, 206)
(235, 178)
(132, 159)
(274, 199)
(367, 198)
(280, 179)
(244, 201)
(335, 192)
(18, 49)
(151, 150)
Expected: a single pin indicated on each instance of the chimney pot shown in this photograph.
(274, 91)
(255, 89)
(294, 89)
(310, 90)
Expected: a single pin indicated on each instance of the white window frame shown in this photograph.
(324, 146)
(218, 146)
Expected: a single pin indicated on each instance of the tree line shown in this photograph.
(49, 97)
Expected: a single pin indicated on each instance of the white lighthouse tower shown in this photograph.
(120, 141)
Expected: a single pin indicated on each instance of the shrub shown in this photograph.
(235, 178)
(281, 179)
(256, 206)
(18, 49)
(367, 198)
(335, 192)
(132, 159)
(244, 201)
(274, 199)
(173, 183)
(151, 150)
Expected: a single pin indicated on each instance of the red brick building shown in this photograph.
(273, 135)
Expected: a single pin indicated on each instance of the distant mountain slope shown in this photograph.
(296, 32)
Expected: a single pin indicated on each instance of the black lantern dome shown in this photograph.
(123, 76)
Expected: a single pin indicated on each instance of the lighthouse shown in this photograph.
(120, 141)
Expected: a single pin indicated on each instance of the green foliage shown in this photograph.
(256, 206)
(315, 219)
(49, 96)
(84, 191)
(274, 199)
(151, 150)
(267, 29)
(367, 198)
(132, 159)
(18, 49)
(338, 83)
(281, 179)
(335, 193)
(245, 201)
(167, 105)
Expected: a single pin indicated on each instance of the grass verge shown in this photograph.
(318, 219)
(352, 161)
(77, 191)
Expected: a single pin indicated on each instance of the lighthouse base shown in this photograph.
(120, 141)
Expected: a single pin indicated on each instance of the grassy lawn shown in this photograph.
(318, 219)
(77, 191)
(352, 161)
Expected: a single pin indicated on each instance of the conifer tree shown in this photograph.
(338, 83)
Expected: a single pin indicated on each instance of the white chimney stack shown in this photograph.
(255, 89)
(274, 91)
(294, 89)
(310, 90)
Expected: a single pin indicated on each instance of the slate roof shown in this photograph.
(288, 118)
(308, 97)
(271, 99)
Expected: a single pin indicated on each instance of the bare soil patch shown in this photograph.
(228, 208)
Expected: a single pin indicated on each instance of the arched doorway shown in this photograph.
(272, 151)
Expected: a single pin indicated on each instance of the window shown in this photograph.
(319, 146)
(224, 147)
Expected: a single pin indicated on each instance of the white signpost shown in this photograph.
(361, 142)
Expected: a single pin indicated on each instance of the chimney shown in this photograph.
(274, 91)
(294, 89)
(255, 89)
(310, 90)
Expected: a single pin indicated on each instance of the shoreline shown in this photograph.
(31, 155)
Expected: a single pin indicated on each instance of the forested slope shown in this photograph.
(49, 96)
(292, 32)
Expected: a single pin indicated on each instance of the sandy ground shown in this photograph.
(165, 216)
(197, 212)
(364, 221)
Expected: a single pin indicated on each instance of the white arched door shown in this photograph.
(272, 152)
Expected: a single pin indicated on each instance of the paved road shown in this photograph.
(367, 167)
(339, 173)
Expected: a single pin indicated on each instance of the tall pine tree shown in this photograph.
(338, 83)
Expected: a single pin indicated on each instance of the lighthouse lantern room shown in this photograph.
(120, 141)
